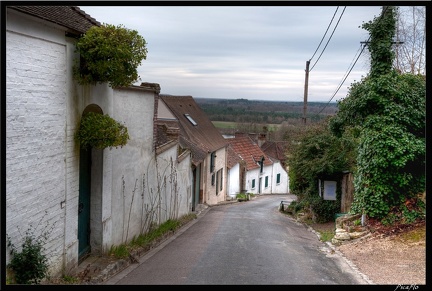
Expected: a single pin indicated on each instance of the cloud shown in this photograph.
(252, 52)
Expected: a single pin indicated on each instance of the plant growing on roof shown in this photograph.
(110, 54)
(101, 131)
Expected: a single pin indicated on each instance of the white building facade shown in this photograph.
(51, 182)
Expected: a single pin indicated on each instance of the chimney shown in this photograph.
(261, 139)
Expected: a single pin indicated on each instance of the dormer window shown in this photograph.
(190, 119)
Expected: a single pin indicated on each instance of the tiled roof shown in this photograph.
(276, 150)
(249, 151)
(233, 157)
(166, 132)
(202, 138)
(71, 17)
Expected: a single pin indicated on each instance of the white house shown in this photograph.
(235, 173)
(275, 150)
(91, 199)
(203, 139)
(255, 167)
(280, 183)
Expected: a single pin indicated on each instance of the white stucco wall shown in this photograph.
(164, 112)
(176, 184)
(267, 173)
(255, 174)
(102, 160)
(234, 181)
(211, 197)
(43, 108)
(282, 187)
(36, 99)
(132, 164)
(142, 184)
(136, 191)
(184, 184)
(250, 175)
(73, 115)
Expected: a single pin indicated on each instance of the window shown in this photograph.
(213, 179)
(266, 182)
(278, 178)
(190, 119)
(253, 183)
(212, 161)
(219, 180)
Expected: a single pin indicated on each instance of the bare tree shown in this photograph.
(411, 30)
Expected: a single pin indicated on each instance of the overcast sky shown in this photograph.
(251, 52)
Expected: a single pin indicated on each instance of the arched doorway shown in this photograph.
(86, 187)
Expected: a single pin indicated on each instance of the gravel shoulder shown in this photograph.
(393, 255)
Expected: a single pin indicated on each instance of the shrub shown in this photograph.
(243, 196)
(29, 265)
(110, 54)
(101, 131)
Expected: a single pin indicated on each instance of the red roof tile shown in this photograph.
(233, 157)
(276, 150)
(248, 151)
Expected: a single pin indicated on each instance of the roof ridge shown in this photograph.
(86, 15)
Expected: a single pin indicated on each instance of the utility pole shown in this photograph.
(397, 42)
(306, 91)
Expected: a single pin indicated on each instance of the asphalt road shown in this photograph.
(246, 243)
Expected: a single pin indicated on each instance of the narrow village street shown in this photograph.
(249, 243)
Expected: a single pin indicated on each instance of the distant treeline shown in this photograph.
(263, 112)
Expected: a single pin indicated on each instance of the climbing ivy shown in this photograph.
(381, 31)
(387, 112)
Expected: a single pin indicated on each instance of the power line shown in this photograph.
(329, 38)
(344, 78)
(308, 63)
(324, 34)
(362, 42)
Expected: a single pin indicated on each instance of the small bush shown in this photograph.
(241, 196)
(326, 235)
(295, 207)
(101, 131)
(120, 251)
(29, 265)
(410, 211)
(323, 210)
(110, 54)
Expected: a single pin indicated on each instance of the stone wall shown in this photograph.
(349, 227)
